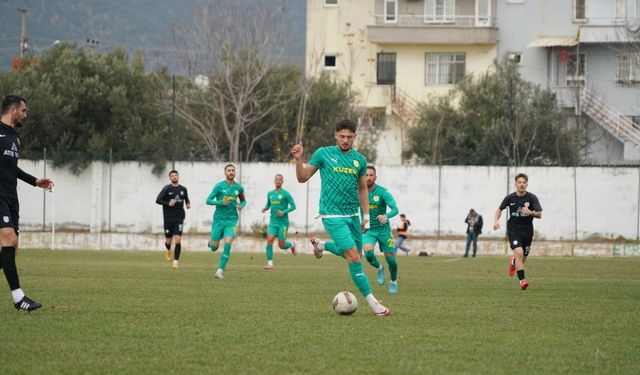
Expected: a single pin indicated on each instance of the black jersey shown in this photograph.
(169, 192)
(9, 170)
(517, 219)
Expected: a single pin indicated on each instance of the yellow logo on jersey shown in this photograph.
(237, 192)
(345, 170)
(356, 164)
(376, 198)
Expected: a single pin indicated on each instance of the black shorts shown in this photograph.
(520, 239)
(9, 216)
(172, 228)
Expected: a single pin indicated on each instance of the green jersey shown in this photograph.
(234, 193)
(280, 200)
(379, 200)
(339, 174)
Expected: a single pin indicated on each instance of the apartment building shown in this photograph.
(588, 52)
(398, 52)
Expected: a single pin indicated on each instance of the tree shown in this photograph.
(237, 62)
(497, 118)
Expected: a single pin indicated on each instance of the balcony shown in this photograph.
(427, 29)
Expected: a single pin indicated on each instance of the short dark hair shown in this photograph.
(526, 178)
(229, 165)
(173, 171)
(11, 101)
(346, 124)
(372, 168)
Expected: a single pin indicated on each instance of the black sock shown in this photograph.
(176, 252)
(167, 245)
(520, 274)
(8, 259)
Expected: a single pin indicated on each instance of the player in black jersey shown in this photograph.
(173, 199)
(14, 113)
(523, 207)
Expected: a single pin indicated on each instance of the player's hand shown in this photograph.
(365, 225)
(264, 210)
(496, 226)
(297, 150)
(526, 210)
(239, 207)
(279, 213)
(225, 201)
(382, 219)
(45, 183)
(188, 206)
(172, 203)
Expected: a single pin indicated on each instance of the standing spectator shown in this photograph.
(474, 228)
(403, 230)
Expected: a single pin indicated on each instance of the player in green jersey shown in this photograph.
(281, 203)
(379, 200)
(228, 197)
(343, 195)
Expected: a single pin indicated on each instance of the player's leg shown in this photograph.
(9, 244)
(368, 244)
(229, 236)
(271, 237)
(388, 249)
(168, 235)
(177, 246)
(217, 234)
(283, 229)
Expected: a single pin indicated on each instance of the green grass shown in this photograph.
(107, 311)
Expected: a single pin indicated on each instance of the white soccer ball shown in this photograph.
(345, 303)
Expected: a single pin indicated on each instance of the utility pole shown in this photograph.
(23, 34)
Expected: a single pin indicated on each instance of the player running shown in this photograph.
(379, 200)
(228, 197)
(523, 207)
(173, 198)
(343, 194)
(281, 203)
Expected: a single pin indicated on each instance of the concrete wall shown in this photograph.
(579, 203)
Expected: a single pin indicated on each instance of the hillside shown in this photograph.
(143, 25)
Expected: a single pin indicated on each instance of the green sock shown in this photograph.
(371, 258)
(359, 278)
(269, 251)
(226, 254)
(331, 247)
(393, 267)
(287, 245)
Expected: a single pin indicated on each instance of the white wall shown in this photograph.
(121, 198)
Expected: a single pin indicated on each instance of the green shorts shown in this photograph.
(220, 230)
(344, 231)
(278, 229)
(383, 237)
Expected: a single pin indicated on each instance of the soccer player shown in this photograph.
(523, 207)
(173, 198)
(281, 203)
(379, 200)
(343, 194)
(228, 197)
(14, 113)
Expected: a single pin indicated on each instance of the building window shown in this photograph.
(386, 69)
(439, 11)
(330, 61)
(628, 69)
(515, 57)
(330, 3)
(576, 69)
(445, 68)
(579, 10)
(390, 11)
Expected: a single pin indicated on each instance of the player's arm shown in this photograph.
(303, 171)
(535, 210)
(496, 218)
(212, 200)
(391, 203)
(26, 177)
(186, 199)
(160, 200)
(292, 205)
(268, 205)
(242, 200)
(363, 194)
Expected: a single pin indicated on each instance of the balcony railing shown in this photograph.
(427, 20)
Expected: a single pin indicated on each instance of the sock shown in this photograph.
(212, 247)
(269, 252)
(8, 258)
(224, 258)
(371, 300)
(287, 245)
(167, 245)
(270, 262)
(371, 258)
(331, 247)
(393, 267)
(520, 274)
(176, 252)
(359, 278)
(17, 295)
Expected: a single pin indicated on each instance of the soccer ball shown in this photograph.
(345, 303)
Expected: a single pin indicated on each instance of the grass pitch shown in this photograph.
(129, 312)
